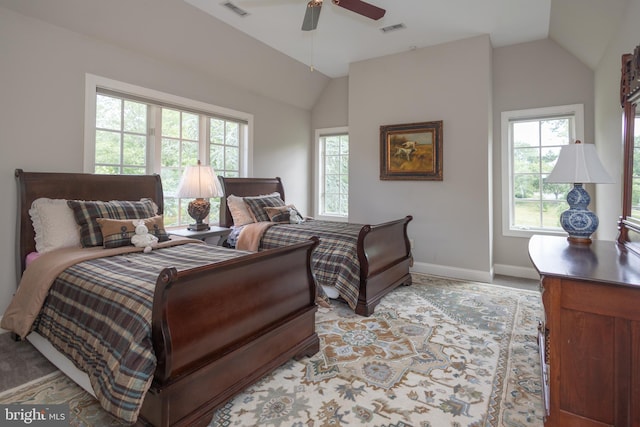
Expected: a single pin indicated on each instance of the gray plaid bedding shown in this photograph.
(335, 260)
(98, 313)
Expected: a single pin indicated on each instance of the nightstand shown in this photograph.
(214, 231)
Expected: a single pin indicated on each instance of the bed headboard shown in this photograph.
(243, 187)
(74, 186)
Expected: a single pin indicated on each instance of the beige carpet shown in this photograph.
(435, 354)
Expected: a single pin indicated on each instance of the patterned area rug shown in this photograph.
(435, 354)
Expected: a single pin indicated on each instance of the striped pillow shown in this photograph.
(86, 214)
(258, 204)
(280, 213)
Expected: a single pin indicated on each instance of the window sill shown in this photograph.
(332, 218)
(527, 233)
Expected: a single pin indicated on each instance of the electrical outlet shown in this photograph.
(411, 243)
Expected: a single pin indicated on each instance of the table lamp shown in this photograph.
(579, 164)
(199, 182)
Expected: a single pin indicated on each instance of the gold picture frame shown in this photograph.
(411, 151)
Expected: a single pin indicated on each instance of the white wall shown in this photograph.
(174, 32)
(42, 79)
(608, 118)
(452, 83)
(332, 108)
(532, 75)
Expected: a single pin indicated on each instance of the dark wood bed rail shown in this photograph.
(385, 260)
(202, 336)
(378, 247)
(176, 294)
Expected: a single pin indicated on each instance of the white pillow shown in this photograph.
(239, 211)
(54, 224)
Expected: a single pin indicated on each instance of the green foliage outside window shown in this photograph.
(335, 199)
(536, 147)
(121, 136)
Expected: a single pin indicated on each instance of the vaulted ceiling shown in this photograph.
(584, 27)
(199, 34)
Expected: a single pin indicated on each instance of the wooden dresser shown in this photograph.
(590, 337)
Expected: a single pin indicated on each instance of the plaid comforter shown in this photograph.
(335, 260)
(98, 313)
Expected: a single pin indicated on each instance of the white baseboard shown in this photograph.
(452, 272)
(515, 271)
(476, 275)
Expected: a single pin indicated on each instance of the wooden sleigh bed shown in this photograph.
(383, 250)
(264, 307)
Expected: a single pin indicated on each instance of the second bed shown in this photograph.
(361, 263)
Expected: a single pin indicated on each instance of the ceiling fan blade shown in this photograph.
(362, 8)
(311, 15)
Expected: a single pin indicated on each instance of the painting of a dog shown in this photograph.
(411, 151)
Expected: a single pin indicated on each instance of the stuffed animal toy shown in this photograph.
(142, 238)
(295, 217)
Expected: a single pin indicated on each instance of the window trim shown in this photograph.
(93, 82)
(317, 184)
(577, 110)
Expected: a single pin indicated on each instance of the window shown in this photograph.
(121, 136)
(531, 142)
(332, 174)
(133, 130)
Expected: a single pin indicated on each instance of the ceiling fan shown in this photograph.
(360, 7)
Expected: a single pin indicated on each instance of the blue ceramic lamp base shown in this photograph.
(579, 221)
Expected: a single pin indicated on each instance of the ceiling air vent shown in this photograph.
(235, 9)
(390, 28)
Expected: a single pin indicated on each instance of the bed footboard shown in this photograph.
(384, 252)
(219, 328)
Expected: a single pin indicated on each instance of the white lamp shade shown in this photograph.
(579, 163)
(199, 182)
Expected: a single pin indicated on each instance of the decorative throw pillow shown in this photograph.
(258, 204)
(86, 214)
(54, 225)
(279, 213)
(239, 211)
(118, 232)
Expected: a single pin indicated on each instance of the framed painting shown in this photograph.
(411, 151)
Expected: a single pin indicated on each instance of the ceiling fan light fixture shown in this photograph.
(312, 15)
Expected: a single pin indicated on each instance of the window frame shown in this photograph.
(575, 110)
(160, 100)
(93, 83)
(319, 173)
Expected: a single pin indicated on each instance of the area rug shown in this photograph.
(439, 353)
